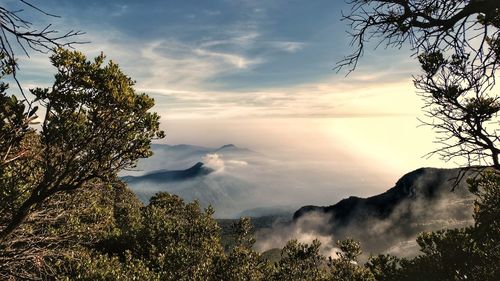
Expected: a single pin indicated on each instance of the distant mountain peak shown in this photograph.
(197, 166)
(227, 146)
(420, 200)
(424, 183)
(197, 170)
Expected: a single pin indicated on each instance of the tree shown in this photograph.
(14, 119)
(177, 239)
(93, 265)
(95, 125)
(427, 26)
(242, 263)
(458, 46)
(57, 236)
(300, 262)
(384, 267)
(18, 33)
(345, 267)
(462, 109)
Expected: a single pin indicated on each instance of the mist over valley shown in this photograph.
(283, 198)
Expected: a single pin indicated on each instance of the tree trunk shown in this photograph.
(19, 217)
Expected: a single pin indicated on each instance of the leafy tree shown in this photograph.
(66, 226)
(14, 119)
(177, 240)
(384, 267)
(300, 262)
(486, 207)
(91, 265)
(345, 267)
(458, 46)
(18, 33)
(95, 124)
(242, 263)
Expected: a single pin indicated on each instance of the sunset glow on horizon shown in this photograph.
(245, 72)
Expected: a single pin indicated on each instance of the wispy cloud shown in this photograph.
(322, 99)
(288, 46)
(197, 77)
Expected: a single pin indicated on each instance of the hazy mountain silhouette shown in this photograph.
(217, 180)
(164, 176)
(267, 211)
(231, 148)
(182, 156)
(421, 200)
(426, 184)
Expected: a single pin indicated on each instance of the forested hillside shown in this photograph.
(66, 214)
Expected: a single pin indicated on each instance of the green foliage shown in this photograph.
(345, 267)
(18, 174)
(300, 262)
(95, 118)
(108, 235)
(17, 143)
(486, 207)
(177, 239)
(446, 256)
(350, 250)
(66, 225)
(244, 233)
(242, 263)
(95, 124)
(384, 267)
(90, 266)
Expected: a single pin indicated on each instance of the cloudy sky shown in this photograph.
(236, 58)
(256, 73)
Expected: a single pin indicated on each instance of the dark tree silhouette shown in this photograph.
(461, 108)
(458, 45)
(18, 31)
(459, 26)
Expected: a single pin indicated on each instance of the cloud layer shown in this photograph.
(235, 59)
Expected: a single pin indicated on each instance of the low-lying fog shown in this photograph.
(282, 164)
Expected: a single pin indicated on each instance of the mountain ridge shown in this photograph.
(197, 170)
(406, 188)
(421, 200)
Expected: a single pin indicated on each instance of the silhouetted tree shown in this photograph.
(16, 32)
(427, 26)
(458, 46)
(462, 109)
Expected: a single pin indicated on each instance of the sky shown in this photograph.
(256, 73)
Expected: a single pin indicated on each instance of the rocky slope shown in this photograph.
(421, 200)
